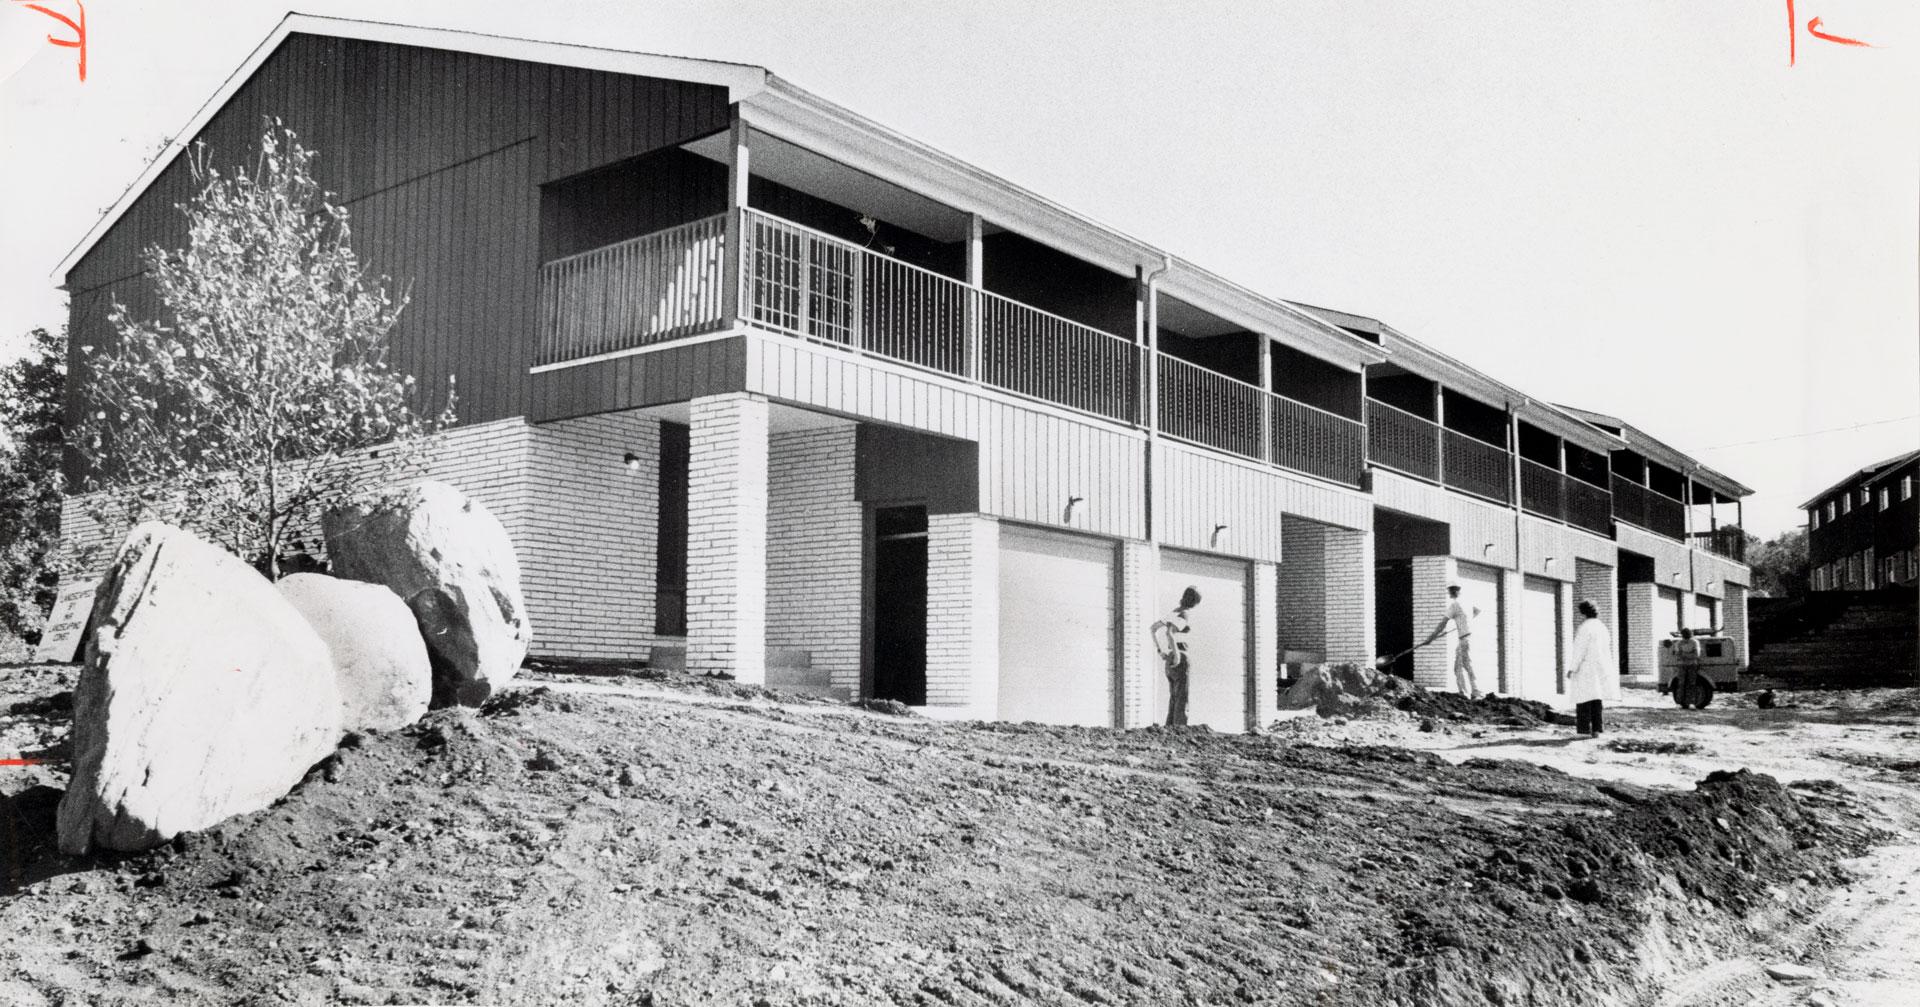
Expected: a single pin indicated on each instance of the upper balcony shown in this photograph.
(949, 294)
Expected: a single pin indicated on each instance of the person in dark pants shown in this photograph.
(1593, 675)
(1168, 639)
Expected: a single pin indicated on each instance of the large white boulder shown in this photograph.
(379, 659)
(204, 695)
(450, 560)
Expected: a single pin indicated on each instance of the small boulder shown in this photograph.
(450, 560)
(204, 695)
(378, 656)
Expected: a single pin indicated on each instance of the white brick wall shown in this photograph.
(1643, 646)
(1325, 591)
(1263, 603)
(1432, 665)
(1138, 659)
(1733, 617)
(815, 552)
(727, 537)
(963, 609)
(588, 549)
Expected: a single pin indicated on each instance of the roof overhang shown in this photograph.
(740, 80)
(1274, 318)
(1651, 447)
(1867, 475)
(1419, 358)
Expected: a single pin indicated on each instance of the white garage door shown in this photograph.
(1480, 588)
(1056, 628)
(1217, 645)
(1705, 614)
(1666, 614)
(1539, 640)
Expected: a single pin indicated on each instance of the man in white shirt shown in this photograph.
(1462, 622)
(1168, 639)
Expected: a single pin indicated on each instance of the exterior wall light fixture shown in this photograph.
(1218, 530)
(631, 461)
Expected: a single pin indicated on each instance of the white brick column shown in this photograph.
(1264, 601)
(963, 613)
(1303, 586)
(727, 537)
(815, 542)
(1643, 652)
(1432, 666)
(1733, 619)
(1512, 590)
(1348, 597)
(1567, 620)
(1595, 582)
(1139, 562)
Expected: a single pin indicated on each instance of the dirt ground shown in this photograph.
(633, 841)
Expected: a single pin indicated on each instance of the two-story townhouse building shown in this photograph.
(1862, 531)
(762, 386)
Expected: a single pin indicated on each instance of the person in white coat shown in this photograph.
(1593, 673)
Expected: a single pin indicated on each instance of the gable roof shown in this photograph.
(1657, 450)
(782, 109)
(1867, 474)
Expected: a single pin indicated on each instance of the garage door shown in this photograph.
(1706, 615)
(1666, 614)
(1480, 588)
(1539, 640)
(1056, 628)
(1217, 645)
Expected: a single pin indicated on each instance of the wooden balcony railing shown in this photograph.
(1729, 541)
(1473, 465)
(1589, 507)
(1207, 407)
(1645, 508)
(1029, 351)
(660, 286)
(1312, 440)
(1400, 440)
(1543, 490)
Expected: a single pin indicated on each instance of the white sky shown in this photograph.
(1637, 207)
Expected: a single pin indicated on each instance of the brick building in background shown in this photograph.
(1862, 531)
(762, 386)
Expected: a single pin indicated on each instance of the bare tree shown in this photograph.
(263, 393)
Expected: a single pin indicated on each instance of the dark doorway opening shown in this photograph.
(670, 566)
(1393, 611)
(900, 604)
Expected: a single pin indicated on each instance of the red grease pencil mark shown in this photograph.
(1813, 28)
(1793, 34)
(19, 762)
(79, 28)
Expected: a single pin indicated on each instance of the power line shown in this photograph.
(1815, 433)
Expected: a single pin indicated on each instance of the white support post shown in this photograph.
(1440, 431)
(976, 303)
(734, 299)
(1266, 398)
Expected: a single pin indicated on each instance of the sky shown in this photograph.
(1635, 207)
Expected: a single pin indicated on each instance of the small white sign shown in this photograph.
(67, 623)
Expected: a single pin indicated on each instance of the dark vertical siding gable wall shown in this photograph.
(439, 157)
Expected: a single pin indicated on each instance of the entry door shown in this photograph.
(900, 604)
(1057, 624)
(1540, 640)
(1216, 644)
(1393, 627)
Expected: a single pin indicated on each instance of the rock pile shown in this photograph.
(206, 693)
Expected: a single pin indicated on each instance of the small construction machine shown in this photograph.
(1716, 669)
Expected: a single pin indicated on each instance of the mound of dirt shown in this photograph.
(1346, 690)
(574, 847)
(1489, 709)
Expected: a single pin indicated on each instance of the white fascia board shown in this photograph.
(827, 129)
(1277, 319)
(740, 80)
(1437, 366)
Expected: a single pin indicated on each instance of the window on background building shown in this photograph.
(1886, 497)
(1830, 510)
(1866, 496)
(1886, 571)
(1846, 504)
(1906, 487)
(1814, 516)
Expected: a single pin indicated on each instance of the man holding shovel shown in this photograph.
(1463, 627)
(1167, 640)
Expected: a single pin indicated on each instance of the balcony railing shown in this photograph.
(650, 289)
(1207, 407)
(1729, 541)
(1312, 440)
(1473, 465)
(1029, 351)
(1649, 509)
(1589, 507)
(1543, 491)
(1400, 440)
